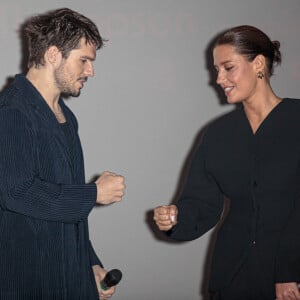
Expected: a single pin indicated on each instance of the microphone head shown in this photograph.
(112, 278)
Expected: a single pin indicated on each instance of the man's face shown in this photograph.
(74, 71)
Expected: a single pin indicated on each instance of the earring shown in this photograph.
(260, 75)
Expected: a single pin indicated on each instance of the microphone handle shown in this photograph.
(111, 278)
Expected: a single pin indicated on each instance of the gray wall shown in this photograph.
(149, 100)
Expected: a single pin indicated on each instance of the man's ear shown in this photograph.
(53, 56)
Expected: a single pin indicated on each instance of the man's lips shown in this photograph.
(82, 81)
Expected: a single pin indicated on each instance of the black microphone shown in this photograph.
(111, 278)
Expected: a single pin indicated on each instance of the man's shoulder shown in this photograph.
(13, 108)
(12, 95)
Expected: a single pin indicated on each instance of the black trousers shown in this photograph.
(250, 282)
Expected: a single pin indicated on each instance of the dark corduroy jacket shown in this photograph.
(260, 174)
(45, 252)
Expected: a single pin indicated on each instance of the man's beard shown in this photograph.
(63, 84)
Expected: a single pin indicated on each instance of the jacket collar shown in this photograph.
(32, 97)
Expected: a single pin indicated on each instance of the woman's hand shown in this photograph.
(165, 217)
(287, 291)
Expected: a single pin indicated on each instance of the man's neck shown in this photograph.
(43, 82)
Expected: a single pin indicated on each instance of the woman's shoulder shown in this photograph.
(292, 102)
(226, 120)
(290, 107)
(222, 126)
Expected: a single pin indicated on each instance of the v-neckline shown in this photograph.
(265, 120)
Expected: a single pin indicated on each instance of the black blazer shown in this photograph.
(260, 174)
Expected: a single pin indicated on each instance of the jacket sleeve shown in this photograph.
(94, 260)
(288, 254)
(201, 203)
(22, 190)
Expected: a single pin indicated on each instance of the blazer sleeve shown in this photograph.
(201, 203)
(22, 190)
(288, 254)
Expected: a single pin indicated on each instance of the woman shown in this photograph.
(251, 156)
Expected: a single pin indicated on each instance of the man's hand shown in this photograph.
(99, 274)
(110, 188)
(165, 217)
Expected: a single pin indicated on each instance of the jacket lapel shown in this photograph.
(47, 118)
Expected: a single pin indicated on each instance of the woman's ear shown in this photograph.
(259, 63)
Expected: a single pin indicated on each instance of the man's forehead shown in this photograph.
(85, 48)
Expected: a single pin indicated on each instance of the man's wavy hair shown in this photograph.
(62, 28)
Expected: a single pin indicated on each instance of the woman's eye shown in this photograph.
(228, 68)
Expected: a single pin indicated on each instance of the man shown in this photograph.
(45, 252)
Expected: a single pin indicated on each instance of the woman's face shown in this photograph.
(236, 75)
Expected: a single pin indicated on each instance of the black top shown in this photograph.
(67, 132)
(260, 175)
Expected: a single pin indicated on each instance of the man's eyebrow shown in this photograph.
(88, 57)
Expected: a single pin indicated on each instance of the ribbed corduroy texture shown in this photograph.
(44, 202)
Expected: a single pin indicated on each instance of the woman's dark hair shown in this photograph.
(62, 28)
(249, 41)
